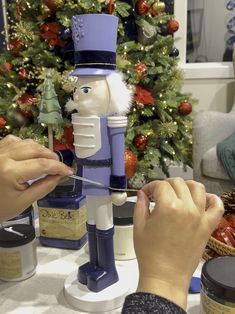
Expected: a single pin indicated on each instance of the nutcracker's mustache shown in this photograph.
(71, 105)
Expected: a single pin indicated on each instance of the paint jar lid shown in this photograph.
(16, 235)
(123, 215)
(218, 276)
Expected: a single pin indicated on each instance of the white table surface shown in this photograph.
(43, 292)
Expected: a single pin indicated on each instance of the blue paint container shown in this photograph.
(62, 219)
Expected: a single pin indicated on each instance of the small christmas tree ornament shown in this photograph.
(185, 108)
(174, 53)
(158, 7)
(141, 69)
(142, 7)
(131, 163)
(172, 26)
(50, 111)
(140, 141)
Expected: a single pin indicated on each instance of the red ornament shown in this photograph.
(67, 140)
(141, 69)
(23, 74)
(143, 96)
(185, 108)
(131, 163)
(51, 5)
(111, 6)
(142, 7)
(172, 26)
(140, 141)
(3, 122)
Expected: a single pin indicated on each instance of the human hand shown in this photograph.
(170, 240)
(21, 161)
(118, 199)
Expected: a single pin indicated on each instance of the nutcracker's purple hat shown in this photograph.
(95, 39)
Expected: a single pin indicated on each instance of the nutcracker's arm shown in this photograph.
(117, 127)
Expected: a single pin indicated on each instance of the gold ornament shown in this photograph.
(158, 7)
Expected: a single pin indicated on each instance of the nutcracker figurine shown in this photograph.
(101, 100)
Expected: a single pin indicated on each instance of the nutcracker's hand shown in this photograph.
(118, 198)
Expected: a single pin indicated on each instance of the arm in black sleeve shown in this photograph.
(147, 303)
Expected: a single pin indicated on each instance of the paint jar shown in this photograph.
(123, 234)
(218, 286)
(18, 258)
(26, 217)
(62, 219)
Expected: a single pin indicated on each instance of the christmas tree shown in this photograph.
(159, 122)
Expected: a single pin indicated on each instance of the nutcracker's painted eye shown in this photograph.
(86, 89)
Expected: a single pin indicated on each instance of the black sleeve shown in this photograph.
(147, 303)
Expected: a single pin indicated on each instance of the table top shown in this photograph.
(43, 292)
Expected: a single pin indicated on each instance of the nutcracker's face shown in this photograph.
(91, 95)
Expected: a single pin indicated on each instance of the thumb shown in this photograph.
(214, 211)
(141, 211)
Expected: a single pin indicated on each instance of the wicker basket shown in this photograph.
(220, 248)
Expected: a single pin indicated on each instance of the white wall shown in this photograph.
(212, 93)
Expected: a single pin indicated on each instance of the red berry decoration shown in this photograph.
(185, 108)
(172, 26)
(131, 163)
(140, 141)
(142, 7)
(141, 69)
(51, 5)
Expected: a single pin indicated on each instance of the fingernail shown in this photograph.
(69, 172)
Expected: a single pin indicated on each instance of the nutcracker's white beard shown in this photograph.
(120, 96)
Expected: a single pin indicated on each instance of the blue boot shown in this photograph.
(87, 268)
(106, 274)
